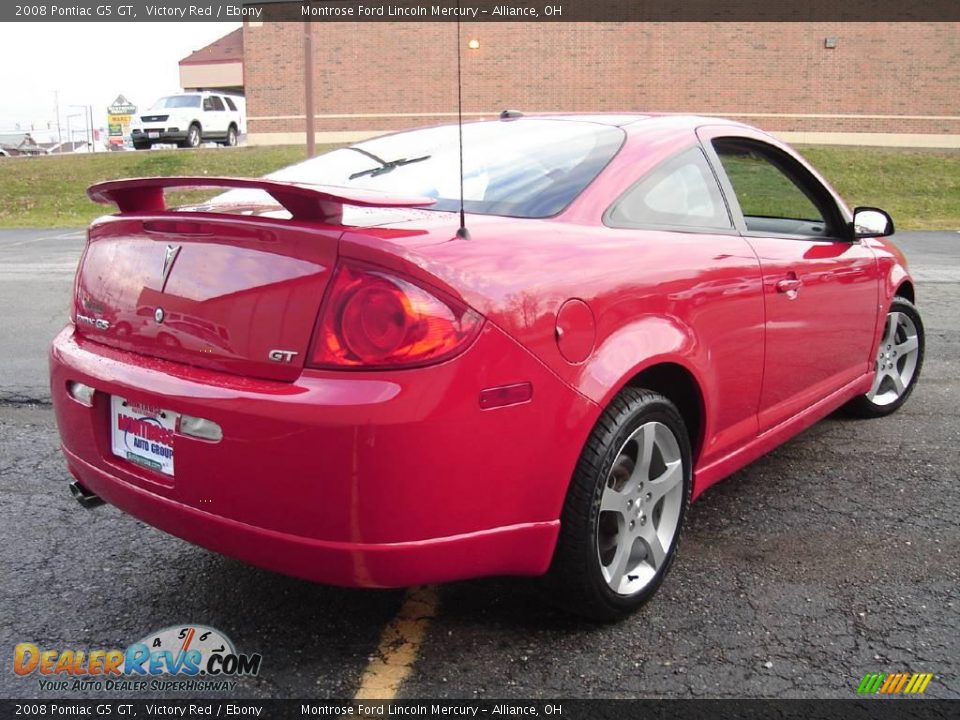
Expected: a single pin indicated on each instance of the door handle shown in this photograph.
(788, 285)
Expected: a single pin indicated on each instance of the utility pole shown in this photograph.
(308, 88)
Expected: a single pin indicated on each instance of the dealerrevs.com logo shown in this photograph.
(188, 658)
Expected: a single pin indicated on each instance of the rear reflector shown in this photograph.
(200, 428)
(83, 394)
(505, 395)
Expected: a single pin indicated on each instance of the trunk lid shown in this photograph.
(233, 294)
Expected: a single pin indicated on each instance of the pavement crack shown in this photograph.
(18, 400)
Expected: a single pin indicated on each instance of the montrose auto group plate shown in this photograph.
(142, 434)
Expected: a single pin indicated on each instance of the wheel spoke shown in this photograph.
(641, 471)
(656, 553)
(668, 480)
(897, 382)
(618, 568)
(907, 346)
(613, 501)
(877, 379)
(891, 334)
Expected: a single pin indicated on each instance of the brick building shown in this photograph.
(864, 83)
(218, 66)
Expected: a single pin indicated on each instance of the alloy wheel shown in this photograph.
(640, 508)
(896, 359)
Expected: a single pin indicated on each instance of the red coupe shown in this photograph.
(318, 373)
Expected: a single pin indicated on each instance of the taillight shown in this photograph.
(374, 319)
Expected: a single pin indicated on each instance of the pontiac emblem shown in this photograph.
(169, 258)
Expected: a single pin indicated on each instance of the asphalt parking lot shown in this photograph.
(836, 555)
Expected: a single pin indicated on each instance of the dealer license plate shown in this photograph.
(142, 434)
(153, 135)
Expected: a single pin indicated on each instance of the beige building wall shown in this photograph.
(212, 75)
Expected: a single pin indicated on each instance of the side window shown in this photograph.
(216, 104)
(774, 197)
(230, 104)
(680, 192)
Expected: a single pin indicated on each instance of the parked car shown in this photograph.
(640, 306)
(190, 119)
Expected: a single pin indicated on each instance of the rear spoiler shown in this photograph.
(303, 201)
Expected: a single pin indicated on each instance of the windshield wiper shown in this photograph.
(385, 165)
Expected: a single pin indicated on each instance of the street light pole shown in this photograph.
(56, 105)
(86, 124)
(308, 88)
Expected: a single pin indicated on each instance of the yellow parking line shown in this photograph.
(399, 644)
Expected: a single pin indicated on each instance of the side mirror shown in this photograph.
(869, 222)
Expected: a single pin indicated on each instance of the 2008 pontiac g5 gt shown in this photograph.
(317, 373)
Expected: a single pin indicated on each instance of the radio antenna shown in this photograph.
(462, 231)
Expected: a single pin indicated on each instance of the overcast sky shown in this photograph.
(90, 64)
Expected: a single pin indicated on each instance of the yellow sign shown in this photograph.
(119, 115)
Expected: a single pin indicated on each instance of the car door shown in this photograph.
(820, 287)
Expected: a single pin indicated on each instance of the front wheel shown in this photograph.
(193, 137)
(898, 361)
(625, 508)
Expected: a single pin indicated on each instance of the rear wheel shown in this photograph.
(898, 361)
(141, 146)
(231, 140)
(625, 508)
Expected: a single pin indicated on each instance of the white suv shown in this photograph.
(189, 119)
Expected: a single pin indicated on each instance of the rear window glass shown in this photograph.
(528, 168)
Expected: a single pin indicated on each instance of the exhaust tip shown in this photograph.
(83, 496)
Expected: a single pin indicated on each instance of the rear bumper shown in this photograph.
(359, 479)
(485, 552)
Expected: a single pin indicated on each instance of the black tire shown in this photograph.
(576, 573)
(194, 137)
(869, 405)
(231, 140)
(141, 146)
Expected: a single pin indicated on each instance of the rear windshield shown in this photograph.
(529, 168)
(176, 101)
